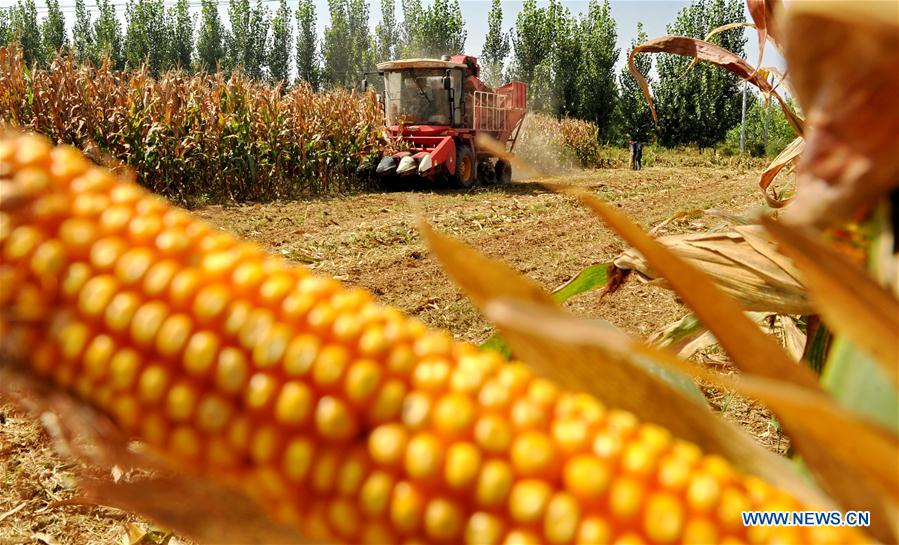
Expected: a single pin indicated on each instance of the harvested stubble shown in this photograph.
(345, 418)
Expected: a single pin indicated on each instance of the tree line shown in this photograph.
(569, 61)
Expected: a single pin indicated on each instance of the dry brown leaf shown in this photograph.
(762, 13)
(786, 157)
(736, 266)
(794, 339)
(849, 301)
(750, 349)
(705, 51)
(844, 62)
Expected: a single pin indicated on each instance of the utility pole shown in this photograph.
(743, 119)
(767, 120)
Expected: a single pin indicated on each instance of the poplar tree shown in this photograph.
(53, 31)
(634, 114)
(597, 89)
(24, 28)
(433, 31)
(496, 47)
(307, 44)
(181, 24)
(387, 32)
(532, 40)
(107, 35)
(280, 53)
(247, 42)
(147, 36)
(699, 107)
(5, 27)
(410, 30)
(210, 38)
(82, 34)
(348, 47)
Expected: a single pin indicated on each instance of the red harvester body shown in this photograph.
(437, 107)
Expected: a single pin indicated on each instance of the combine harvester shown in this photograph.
(437, 107)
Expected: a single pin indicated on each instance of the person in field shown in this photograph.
(638, 155)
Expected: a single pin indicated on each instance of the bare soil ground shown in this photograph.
(370, 240)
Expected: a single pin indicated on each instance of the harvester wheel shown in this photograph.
(503, 171)
(466, 173)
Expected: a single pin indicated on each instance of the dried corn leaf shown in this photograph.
(750, 349)
(844, 61)
(794, 338)
(688, 336)
(705, 51)
(849, 301)
(762, 13)
(785, 158)
(751, 276)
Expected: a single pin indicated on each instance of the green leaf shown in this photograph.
(859, 383)
(593, 277)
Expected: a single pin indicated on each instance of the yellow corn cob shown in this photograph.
(346, 418)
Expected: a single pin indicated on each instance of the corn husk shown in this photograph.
(742, 262)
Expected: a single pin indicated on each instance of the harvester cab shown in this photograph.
(436, 108)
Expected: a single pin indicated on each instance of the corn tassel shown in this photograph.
(343, 417)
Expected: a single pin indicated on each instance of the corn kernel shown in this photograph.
(406, 507)
(528, 500)
(375, 494)
(463, 461)
(330, 365)
(333, 419)
(213, 413)
(563, 513)
(494, 483)
(533, 454)
(424, 456)
(173, 335)
(484, 529)
(153, 383)
(362, 380)
(181, 401)
(625, 497)
(120, 311)
(586, 476)
(232, 370)
(454, 415)
(443, 520)
(298, 456)
(294, 403)
(387, 444)
(96, 295)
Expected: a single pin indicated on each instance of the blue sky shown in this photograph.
(654, 14)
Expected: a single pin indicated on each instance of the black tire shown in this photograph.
(466, 171)
(503, 171)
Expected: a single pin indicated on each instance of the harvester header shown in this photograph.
(437, 107)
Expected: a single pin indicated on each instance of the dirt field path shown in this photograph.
(370, 240)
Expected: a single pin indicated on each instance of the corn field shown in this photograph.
(201, 138)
